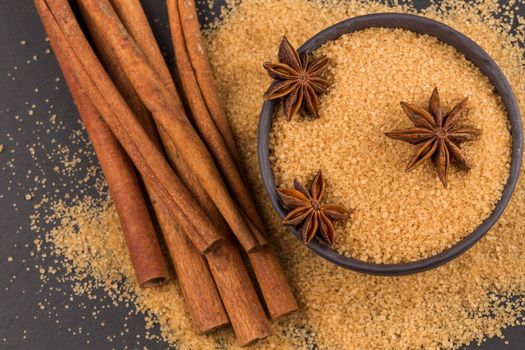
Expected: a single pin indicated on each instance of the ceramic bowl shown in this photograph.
(474, 53)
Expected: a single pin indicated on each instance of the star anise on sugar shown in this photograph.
(297, 80)
(307, 212)
(436, 136)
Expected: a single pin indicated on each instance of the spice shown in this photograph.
(436, 135)
(193, 274)
(171, 115)
(393, 219)
(137, 227)
(131, 14)
(307, 211)
(205, 125)
(201, 94)
(237, 292)
(189, 22)
(298, 81)
(147, 158)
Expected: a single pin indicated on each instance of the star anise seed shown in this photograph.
(307, 211)
(297, 80)
(436, 135)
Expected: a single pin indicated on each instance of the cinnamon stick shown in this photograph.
(205, 306)
(144, 250)
(203, 72)
(134, 19)
(239, 296)
(146, 157)
(197, 79)
(227, 266)
(172, 118)
(197, 284)
(202, 119)
(273, 283)
(193, 66)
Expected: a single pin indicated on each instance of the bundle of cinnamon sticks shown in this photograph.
(184, 163)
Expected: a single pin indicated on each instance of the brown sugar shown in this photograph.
(397, 216)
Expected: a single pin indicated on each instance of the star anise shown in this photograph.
(307, 211)
(298, 81)
(436, 135)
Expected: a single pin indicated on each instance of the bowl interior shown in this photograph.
(471, 51)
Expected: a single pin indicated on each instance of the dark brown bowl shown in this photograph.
(472, 52)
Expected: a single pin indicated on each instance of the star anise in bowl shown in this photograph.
(307, 212)
(436, 136)
(297, 81)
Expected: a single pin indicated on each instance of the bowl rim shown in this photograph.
(472, 52)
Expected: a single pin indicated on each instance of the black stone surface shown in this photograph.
(62, 323)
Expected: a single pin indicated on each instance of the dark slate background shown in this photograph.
(32, 315)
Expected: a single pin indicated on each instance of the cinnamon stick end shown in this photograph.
(251, 341)
(155, 282)
(206, 330)
(291, 308)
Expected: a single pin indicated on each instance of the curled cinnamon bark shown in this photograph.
(229, 272)
(199, 85)
(205, 124)
(196, 282)
(203, 72)
(132, 16)
(172, 118)
(144, 154)
(226, 263)
(144, 250)
(205, 306)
